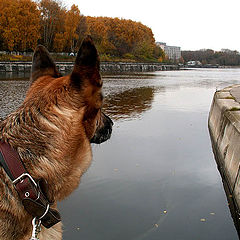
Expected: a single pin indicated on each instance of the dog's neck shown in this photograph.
(51, 148)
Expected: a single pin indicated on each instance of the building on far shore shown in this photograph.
(172, 52)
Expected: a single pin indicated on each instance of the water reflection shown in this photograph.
(14, 75)
(129, 104)
(118, 76)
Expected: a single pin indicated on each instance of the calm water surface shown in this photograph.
(156, 179)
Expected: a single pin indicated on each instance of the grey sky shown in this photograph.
(189, 24)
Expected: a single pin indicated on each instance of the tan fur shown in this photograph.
(51, 132)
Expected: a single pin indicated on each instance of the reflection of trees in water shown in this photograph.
(129, 104)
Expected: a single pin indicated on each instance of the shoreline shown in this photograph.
(104, 66)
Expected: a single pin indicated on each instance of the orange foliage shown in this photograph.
(22, 25)
(119, 37)
(52, 21)
(72, 21)
(61, 30)
(19, 24)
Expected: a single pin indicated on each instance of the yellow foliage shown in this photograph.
(120, 36)
(23, 23)
(72, 21)
(19, 24)
(160, 59)
(16, 58)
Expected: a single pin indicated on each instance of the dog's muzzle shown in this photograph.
(103, 133)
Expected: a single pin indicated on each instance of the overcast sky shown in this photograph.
(190, 24)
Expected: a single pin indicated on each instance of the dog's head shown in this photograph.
(81, 89)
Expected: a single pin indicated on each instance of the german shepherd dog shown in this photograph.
(52, 132)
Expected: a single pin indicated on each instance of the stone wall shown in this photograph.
(224, 127)
(105, 67)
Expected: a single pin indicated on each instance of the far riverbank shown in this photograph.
(104, 66)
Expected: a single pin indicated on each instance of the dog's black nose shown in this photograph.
(104, 133)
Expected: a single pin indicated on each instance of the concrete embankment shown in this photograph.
(224, 127)
(105, 67)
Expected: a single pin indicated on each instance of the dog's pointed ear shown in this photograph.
(43, 64)
(87, 61)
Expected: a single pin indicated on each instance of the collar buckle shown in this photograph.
(21, 177)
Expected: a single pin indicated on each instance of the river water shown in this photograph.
(156, 178)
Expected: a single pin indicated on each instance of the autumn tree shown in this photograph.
(72, 22)
(72, 31)
(3, 6)
(159, 54)
(144, 50)
(98, 28)
(23, 23)
(52, 21)
(121, 37)
(19, 24)
(81, 30)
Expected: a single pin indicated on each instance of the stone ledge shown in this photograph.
(224, 127)
(104, 67)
